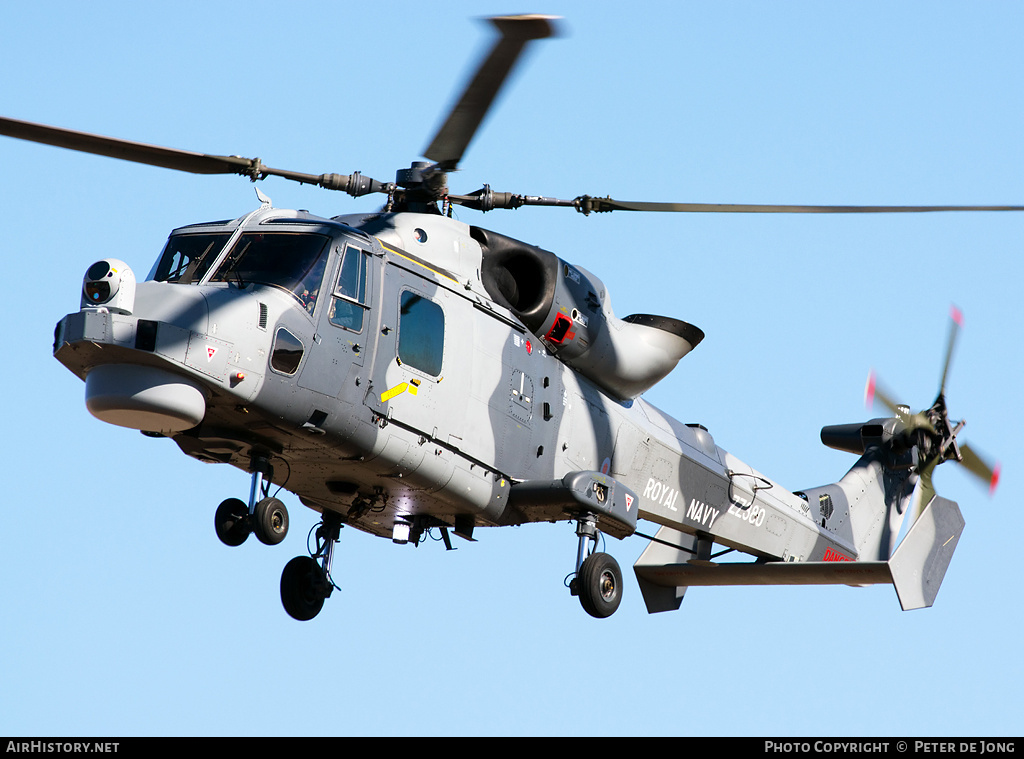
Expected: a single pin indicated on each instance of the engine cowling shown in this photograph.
(569, 309)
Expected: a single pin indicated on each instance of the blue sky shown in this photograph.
(123, 614)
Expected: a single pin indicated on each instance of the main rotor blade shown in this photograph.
(586, 204)
(485, 200)
(454, 136)
(153, 155)
(179, 160)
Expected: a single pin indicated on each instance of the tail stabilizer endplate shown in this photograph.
(670, 548)
(919, 562)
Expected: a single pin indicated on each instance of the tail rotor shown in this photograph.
(931, 430)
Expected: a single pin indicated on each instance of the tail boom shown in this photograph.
(916, 568)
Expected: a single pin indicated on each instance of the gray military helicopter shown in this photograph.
(401, 372)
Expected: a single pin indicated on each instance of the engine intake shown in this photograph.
(570, 310)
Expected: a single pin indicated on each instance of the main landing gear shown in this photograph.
(598, 580)
(306, 584)
(267, 517)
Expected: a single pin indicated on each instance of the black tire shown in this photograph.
(599, 582)
(232, 522)
(270, 521)
(302, 583)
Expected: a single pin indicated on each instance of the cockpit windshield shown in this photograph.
(293, 261)
(186, 258)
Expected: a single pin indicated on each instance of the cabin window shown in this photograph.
(420, 333)
(286, 353)
(349, 301)
(186, 258)
(293, 262)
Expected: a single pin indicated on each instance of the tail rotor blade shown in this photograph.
(956, 324)
(873, 392)
(980, 468)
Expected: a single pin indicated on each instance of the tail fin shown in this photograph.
(876, 494)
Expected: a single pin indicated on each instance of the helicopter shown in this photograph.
(402, 372)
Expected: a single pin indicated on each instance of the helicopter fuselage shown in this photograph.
(365, 359)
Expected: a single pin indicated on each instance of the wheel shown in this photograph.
(232, 522)
(270, 521)
(599, 583)
(302, 588)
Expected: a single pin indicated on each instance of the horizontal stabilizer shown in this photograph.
(768, 573)
(916, 568)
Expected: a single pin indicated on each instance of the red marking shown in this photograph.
(629, 501)
(561, 330)
(995, 479)
(869, 390)
(210, 350)
(957, 315)
(831, 555)
(529, 347)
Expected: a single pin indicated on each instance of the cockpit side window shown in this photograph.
(349, 302)
(294, 262)
(186, 258)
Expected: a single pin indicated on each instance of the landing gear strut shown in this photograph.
(598, 581)
(306, 584)
(267, 517)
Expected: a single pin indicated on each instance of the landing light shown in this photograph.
(400, 532)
